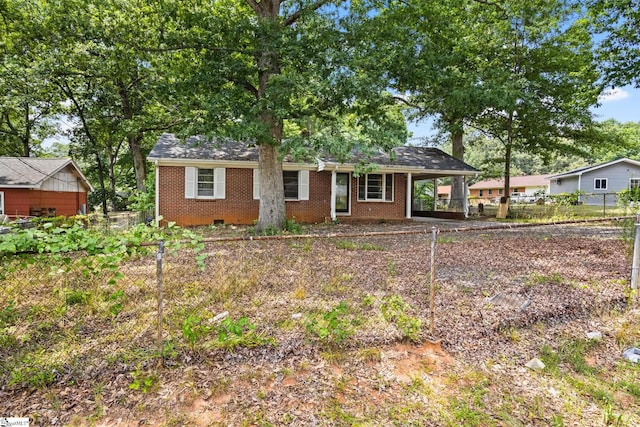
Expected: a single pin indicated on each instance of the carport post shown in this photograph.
(636, 255)
(409, 201)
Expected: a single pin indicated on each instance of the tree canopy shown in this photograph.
(297, 77)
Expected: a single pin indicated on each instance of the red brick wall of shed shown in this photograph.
(238, 206)
(19, 201)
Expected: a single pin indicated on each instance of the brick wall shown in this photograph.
(238, 206)
(380, 210)
(19, 201)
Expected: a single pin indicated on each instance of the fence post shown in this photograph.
(159, 278)
(636, 255)
(432, 288)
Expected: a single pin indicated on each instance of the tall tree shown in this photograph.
(545, 79)
(28, 100)
(261, 70)
(617, 23)
(100, 45)
(433, 54)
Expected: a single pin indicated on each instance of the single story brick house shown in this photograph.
(201, 182)
(490, 190)
(32, 186)
(600, 182)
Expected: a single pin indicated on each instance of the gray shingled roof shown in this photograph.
(579, 171)
(28, 171)
(198, 148)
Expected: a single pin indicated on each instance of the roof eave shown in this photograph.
(21, 186)
(395, 168)
(240, 164)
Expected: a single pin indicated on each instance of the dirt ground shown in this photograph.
(500, 297)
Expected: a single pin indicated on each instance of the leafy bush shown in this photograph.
(332, 327)
(394, 310)
(629, 196)
(567, 199)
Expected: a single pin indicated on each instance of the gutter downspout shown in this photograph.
(157, 213)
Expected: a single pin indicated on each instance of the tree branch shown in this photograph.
(491, 3)
(255, 6)
(293, 18)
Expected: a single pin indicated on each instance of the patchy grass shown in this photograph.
(329, 332)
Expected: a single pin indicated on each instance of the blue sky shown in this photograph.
(621, 104)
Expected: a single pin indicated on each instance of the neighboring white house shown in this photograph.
(493, 189)
(600, 182)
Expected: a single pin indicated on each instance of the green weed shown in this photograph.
(143, 381)
(394, 310)
(332, 327)
(232, 333)
(353, 246)
(571, 353)
(193, 330)
(74, 297)
(8, 314)
(543, 279)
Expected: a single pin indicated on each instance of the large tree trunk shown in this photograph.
(26, 140)
(507, 170)
(103, 190)
(129, 109)
(139, 164)
(457, 183)
(272, 206)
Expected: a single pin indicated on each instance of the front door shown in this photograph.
(342, 192)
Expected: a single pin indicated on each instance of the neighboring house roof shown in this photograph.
(415, 159)
(32, 172)
(585, 169)
(444, 189)
(514, 181)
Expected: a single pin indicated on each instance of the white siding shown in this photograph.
(64, 181)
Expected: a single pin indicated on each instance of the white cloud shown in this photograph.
(613, 95)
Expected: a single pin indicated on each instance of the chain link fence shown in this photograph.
(69, 318)
(484, 281)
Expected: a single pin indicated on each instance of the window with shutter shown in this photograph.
(204, 183)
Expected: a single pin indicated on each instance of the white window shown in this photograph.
(600, 184)
(634, 183)
(1, 203)
(204, 183)
(376, 187)
(296, 184)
